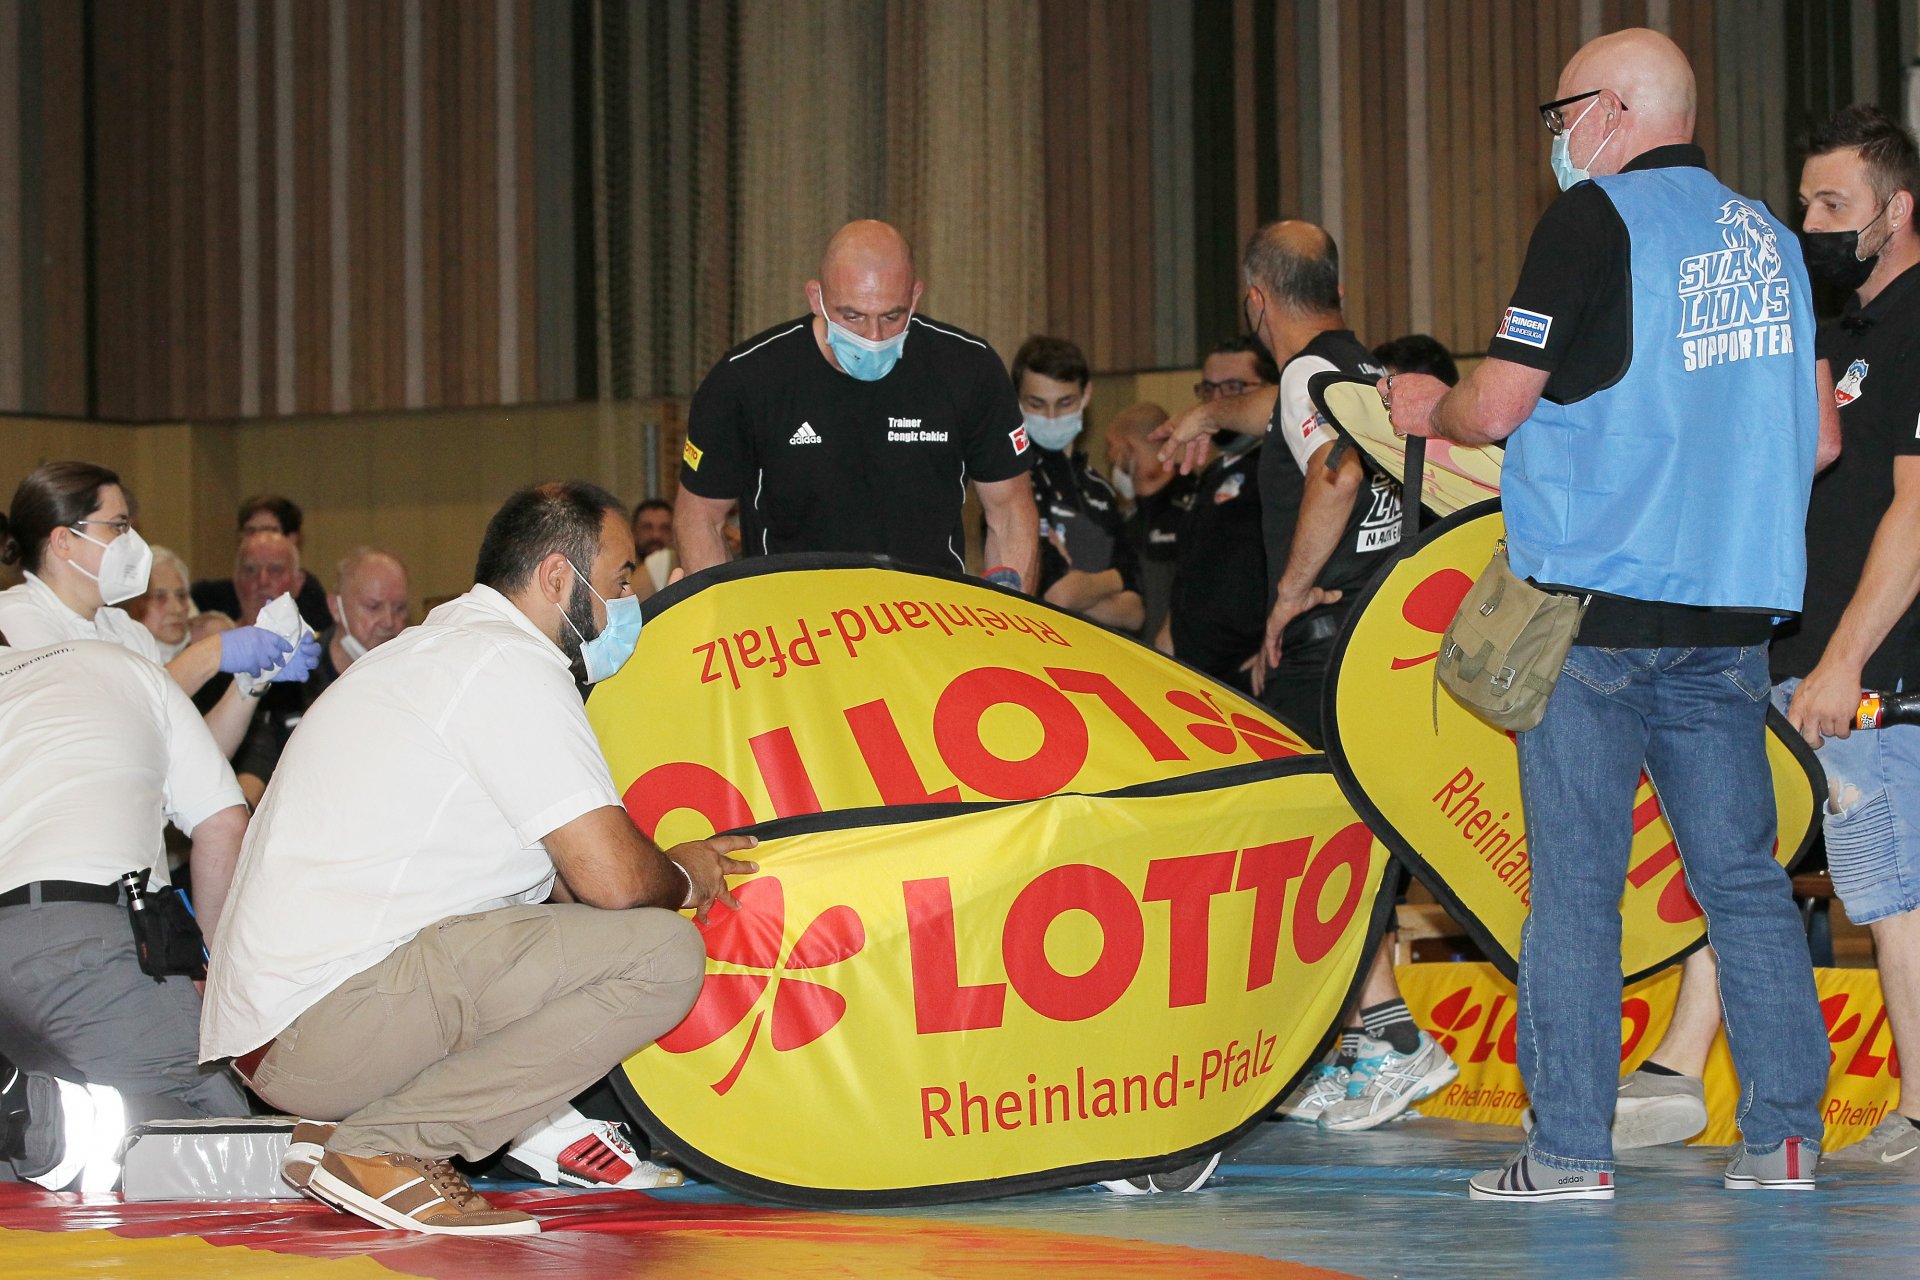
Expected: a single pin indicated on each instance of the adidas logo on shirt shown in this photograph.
(805, 435)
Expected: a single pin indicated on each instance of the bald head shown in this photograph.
(1295, 266)
(372, 601)
(866, 280)
(1135, 421)
(369, 563)
(1130, 451)
(266, 567)
(1647, 98)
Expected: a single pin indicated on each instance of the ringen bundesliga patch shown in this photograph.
(1523, 326)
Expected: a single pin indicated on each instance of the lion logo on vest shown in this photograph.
(1750, 235)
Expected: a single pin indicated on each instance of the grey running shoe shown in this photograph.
(1385, 1083)
(1524, 1178)
(1323, 1087)
(1788, 1167)
(1894, 1143)
(1654, 1110)
(1190, 1177)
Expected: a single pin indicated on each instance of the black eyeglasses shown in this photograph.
(1225, 387)
(1554, 115)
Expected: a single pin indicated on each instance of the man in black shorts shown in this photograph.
(857, 428)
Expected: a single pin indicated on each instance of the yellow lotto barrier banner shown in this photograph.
(790, 685)
(1442, 787)
(1037, 905)
(1454, 475)
(1016, 996)
(1469, 1008)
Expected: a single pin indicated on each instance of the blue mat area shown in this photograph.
(1393, 1203)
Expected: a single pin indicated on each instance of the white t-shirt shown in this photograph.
(1294, 415)
(98, 749)
(419, 787)
(31, 615)
(659, 565)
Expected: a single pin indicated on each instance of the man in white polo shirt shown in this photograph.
(390, 957)
(98, 749)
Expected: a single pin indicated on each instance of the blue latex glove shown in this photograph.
(250, 650)
(302, 663)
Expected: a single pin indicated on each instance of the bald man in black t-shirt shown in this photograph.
(857, 428)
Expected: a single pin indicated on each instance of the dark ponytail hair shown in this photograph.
(55, 495)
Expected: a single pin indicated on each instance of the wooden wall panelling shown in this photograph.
(215, 344)
(13, 213)
(1104, 72)
(57, 378)
(522, 299)
(1138, 139)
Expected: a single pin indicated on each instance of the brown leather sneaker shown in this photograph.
(304, 1149)
(412, 1194)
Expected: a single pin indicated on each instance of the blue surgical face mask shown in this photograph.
(1564, 171)
(868, 359)
(1052, 433)
(607, 652)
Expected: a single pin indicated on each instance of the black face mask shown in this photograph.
(1833, 256)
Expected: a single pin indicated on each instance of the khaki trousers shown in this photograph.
(482, 1025)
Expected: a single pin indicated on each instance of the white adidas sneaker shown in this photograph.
(569, 1150)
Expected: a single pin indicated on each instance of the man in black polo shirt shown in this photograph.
(1216, 617)
(1861, 624)
(1329, 519)
(1086, 564)
(857, 428)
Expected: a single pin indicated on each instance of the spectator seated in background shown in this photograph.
(652, 526)
(96, 744)
(653, 545)
(70, 529)
(1161, 498)
(166, 610)
(1086, 564)
(267, 513)
(1418, 353)
(370, 609)
(1217, 611)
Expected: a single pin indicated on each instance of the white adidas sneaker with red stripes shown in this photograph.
(568, 1149)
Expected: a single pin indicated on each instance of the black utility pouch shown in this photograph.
(166, 937)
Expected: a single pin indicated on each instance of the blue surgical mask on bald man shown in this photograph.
(868, 359)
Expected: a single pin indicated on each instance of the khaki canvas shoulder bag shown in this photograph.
(1504, 649)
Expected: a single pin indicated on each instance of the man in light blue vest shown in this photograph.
(1656, 374)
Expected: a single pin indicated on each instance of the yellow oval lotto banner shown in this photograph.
(789, 685)
(1008, 997)
(1447, 799)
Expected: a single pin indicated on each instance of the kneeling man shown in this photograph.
(389, 958)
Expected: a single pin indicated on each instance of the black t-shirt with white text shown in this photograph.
(1295, 432)
(821, 461)
(1078, 504)
(1874, 352)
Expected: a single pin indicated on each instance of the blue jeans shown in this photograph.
(1696, 720)
(1873, 837)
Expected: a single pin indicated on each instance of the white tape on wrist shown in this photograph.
(686, 875)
